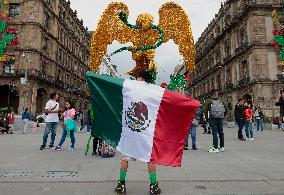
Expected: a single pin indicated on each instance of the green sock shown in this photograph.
(122, 175)
(153, 177)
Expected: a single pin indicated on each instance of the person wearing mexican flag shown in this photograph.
(145, 122)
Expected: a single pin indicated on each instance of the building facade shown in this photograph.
(52, 55)
(234, 55)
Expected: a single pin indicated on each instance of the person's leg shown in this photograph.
(72, 137)
(82, 127)
(123, 169)
(247, 129)
(193, 136)
(240, 123)
(186, 141)
(95, 145)
(26, 123)
(152, 172)
(257, 121)
(154, 187)
(53, 133)
(63, 137)
(261, 124)
(250, 129)
(214, 127)
(46, 132)
(221, 132)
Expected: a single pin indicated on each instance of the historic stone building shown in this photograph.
(53, 55)
(234, 55)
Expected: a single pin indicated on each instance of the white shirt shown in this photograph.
(52, 117)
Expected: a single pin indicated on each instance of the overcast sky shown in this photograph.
(201, 12)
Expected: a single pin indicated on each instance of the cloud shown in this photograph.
(201, 12)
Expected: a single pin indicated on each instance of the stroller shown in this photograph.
(4, 126)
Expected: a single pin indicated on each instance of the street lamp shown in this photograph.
(28, 63)
(9, 95)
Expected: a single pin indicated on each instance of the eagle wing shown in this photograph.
(110, 28)
(176, 25)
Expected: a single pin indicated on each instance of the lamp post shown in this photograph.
(25, 83)
(9, 95)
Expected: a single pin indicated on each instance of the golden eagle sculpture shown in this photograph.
(145, 36)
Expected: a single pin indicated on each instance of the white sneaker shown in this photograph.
(251, 139)
(71, 149)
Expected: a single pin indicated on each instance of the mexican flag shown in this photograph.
(141, 120)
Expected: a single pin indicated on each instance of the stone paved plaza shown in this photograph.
(251, 167)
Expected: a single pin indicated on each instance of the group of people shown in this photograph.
(213, 112)
(7, 122)
(245, 116)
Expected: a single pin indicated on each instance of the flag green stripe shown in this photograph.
(106, 105)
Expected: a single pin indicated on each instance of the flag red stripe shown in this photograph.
(175, 115)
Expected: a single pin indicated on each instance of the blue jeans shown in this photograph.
(216, 125)
(259, 124)
(50, 126)
(63, 137)
(193, 135)
(249, 131)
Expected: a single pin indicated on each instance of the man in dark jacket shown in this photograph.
(239, 117)
(280, 102)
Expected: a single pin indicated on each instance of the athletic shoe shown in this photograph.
(186, 147)
(209, 132)
(71, 149)
(120, 188)
(58, 148)
(194, 147)
(222, 149)
(42, 147)
(154, 189)
(213, 150)
(51, 146)
(251, 139)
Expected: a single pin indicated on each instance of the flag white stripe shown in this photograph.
(139, 144)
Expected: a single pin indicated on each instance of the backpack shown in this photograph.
(217, 109)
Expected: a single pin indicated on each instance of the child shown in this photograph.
(69, 126)
(248, 114)
(34, 125)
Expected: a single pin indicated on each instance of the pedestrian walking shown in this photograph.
(51, 111)
(69, 126)
(85, 122)
(248, 115)
(280, 102)
(26, 120)
(239, 118)
(258, 114)
(217, 110)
